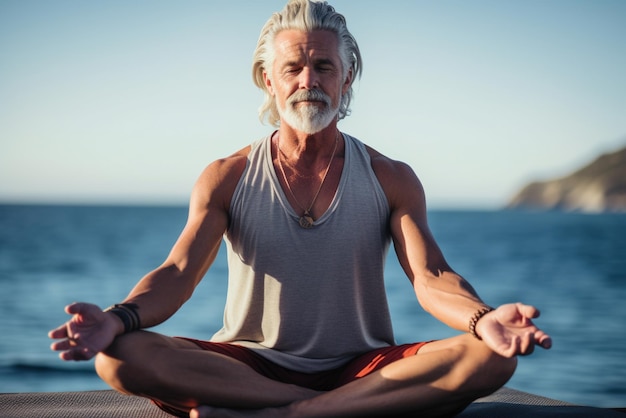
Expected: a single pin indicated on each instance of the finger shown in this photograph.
(77, 354)
(511, 349)
(75, 308)
(527, 345)
(543, 339)
(60, 332)
(62, 345)
(522, 345)
(505, 348)
(528, 311)
(69, 343)
(70, 355)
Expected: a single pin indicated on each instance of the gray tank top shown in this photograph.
(307, 299)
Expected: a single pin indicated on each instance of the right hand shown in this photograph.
(87, 333)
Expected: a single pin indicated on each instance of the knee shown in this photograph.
(108, 369)
(493, 371)
(478, 370)
(503, 368)
(121, 365)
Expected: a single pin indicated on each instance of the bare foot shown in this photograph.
(211, 412)
(205, 411)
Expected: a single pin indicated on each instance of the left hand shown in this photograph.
(509, 330)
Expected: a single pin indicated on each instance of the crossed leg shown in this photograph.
(441, 380)
(179, 374)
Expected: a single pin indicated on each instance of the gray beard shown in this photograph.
(310, 118)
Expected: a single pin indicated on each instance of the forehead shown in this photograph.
(295, 44)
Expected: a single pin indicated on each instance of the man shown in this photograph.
(308, 214)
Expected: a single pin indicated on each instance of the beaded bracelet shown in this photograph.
(475, 318)
(127, 312)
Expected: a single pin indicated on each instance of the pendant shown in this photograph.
(306, 221)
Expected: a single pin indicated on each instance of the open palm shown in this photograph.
(510, 331)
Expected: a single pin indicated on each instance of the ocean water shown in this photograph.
(571, 266)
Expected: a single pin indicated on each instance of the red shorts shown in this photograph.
(359, 367)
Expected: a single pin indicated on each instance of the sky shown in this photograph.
(122, 102)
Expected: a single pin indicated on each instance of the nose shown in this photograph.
(308, 78)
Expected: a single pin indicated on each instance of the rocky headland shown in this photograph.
(599, 187)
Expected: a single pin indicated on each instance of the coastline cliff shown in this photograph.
(599, 187)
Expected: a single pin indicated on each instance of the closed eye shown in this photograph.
(325, 66)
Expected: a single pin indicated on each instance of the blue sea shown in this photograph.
(571, 266)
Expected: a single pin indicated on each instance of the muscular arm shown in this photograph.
(509, 330)
(441, 291)
(162, 292)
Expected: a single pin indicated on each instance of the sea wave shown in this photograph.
(21, 376)
(23, 368)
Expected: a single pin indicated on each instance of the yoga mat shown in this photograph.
(505, 403)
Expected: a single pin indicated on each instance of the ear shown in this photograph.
(268, 83)
(347, 82)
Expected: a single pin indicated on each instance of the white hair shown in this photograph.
(306, 16)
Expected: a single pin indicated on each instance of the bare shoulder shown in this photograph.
(398, 180)
(218, 181)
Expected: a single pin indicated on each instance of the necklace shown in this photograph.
(306, 220)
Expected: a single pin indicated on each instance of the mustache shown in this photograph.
(309, 95)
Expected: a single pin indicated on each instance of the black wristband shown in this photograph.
(127, 313)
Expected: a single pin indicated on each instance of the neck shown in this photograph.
(299, 147)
